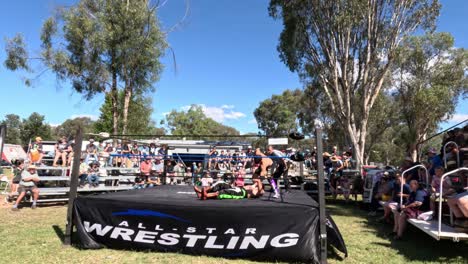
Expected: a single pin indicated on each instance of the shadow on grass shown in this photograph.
(59, 232)
(415, 246)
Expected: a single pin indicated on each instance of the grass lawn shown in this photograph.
(34, 236)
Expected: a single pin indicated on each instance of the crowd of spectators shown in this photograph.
(421, 192)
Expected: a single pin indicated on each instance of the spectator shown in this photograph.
(100, 147)
(135, 153)
(152, 181)
(249, 154)
(29, 179)
(436, 185)
(83, 172)
(91, 151)
(179, 171)
(381, 192)
(118, 159)
(169, 171)
(61, 151)
(337, 169)
(93, 174)
(17, 172)
(108, 150)
(206, 181)
(153, 150)
(144, 150)
(189, 176)
(434, 161)
(417, 203)
(36, 153)
(125, 154)
(392, 205)
(211, 156)
(158, 167)
(459, 205)
(162, 152)
(71, 153)
(327, 163)
(199, 170)
(145, 168)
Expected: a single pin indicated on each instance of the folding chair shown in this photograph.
(4, 184)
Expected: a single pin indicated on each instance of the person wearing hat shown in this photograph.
(35, 151)
(29, 179)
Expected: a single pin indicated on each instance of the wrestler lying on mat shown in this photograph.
(223, 190)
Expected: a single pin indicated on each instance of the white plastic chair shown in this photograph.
(4, 184)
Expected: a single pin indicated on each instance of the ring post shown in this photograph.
(321, 196)
(3, 130)
(73, 185)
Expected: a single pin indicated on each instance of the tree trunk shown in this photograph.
(115, 110)
(128, 96)
(366, 159)
(413, 151)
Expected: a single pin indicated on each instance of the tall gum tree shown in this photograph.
(429, 76)
(99, 46)
(348, 47)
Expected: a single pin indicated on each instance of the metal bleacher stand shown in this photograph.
(60, 183)
(437, 229)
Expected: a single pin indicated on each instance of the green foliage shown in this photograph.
(34, 126)
(277, 116)
(99, 46)
(139, 118)
(14, 127)
(16, 54)
(348, 47)
(70, 127)
(429, 77)
(195, 122)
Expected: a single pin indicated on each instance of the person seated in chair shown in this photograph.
(418, 202)
(29, 179)
(83, 173)
(223, 190)
(436, 185)
(459, 206)
(93, 174)
(61, 151)
(91, 151)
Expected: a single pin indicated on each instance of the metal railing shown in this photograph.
(403, 177)
(445, 153)
(440, 196)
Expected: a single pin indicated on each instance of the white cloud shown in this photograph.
(252, 121)
(227, 106)
(456, 118)
(92, 117)
(219, 114)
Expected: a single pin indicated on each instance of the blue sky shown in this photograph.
(226, 60)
